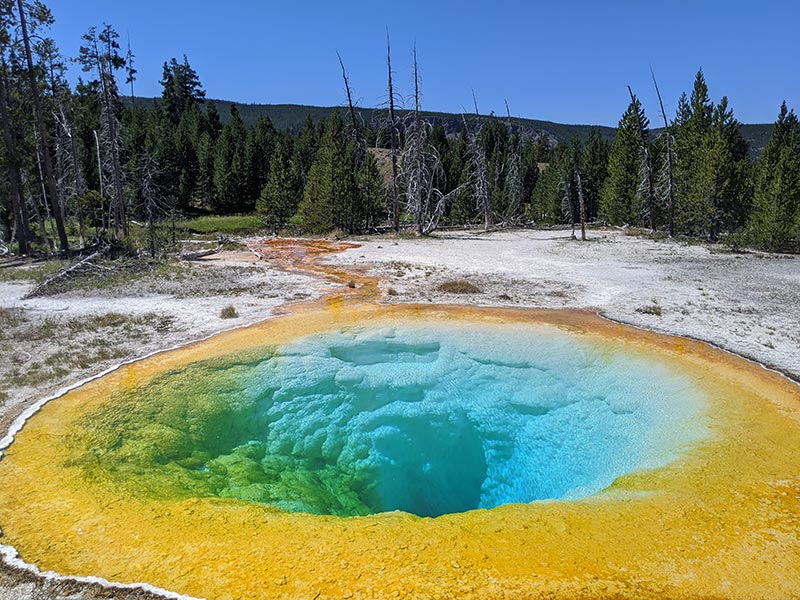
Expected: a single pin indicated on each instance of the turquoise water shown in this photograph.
(430, 420)
(447, 419)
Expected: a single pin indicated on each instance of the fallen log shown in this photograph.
(64, 274)
(221, 241)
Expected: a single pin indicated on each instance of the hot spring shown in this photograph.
(429, 420)
(417, 451)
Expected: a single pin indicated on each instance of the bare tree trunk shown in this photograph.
(79, 182)
(482, 193)
(393, 125)
(118, 201)
(103, 223)
(421, 202)
(670, 162)
(41, 137)
(581, 203)
(18, 208)
(352, 111)
(46, 204)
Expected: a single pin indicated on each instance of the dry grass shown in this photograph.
(458, 286)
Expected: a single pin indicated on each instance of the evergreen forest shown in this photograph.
(90, 164)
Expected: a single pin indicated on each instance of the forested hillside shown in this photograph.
(293, 116)
(88, 164)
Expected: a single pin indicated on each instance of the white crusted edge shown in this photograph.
(9, 553)
(772, 369)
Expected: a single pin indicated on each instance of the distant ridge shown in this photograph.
(292, 117)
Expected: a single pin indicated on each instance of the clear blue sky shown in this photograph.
(564, 61)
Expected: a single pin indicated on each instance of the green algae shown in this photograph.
(194, 433)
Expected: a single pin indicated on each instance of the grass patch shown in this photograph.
(114, 320)
(243, 224)
(229, 312)
(459, 286)
(641, 232)
(10, 318)
(36, 272)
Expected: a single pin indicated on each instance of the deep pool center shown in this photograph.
(429, 419)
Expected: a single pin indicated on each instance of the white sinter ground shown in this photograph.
(746, 303)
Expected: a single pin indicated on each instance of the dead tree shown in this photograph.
(221, 241)
(666, 183)
(646, 190)
(567, 205)
(43, 143)
(69, 166)
(514, 177)
(394, 142)
(421, 169)
(479, 168)
(104, 61)
(581, 203)
(359, 142)
(354, 133)
(154, 204)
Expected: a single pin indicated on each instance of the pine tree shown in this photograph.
(775, 221)
(259, 147)
(182, 89)
(545, 206)
(692, 139)
(619, 196)
(281, 195)
(373, 196)
(725, 174)
(230, 173)
(711, 166)
(331, 183)
(594, 170)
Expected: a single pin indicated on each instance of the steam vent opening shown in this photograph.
(430, 420)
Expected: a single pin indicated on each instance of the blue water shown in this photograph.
(447, 418)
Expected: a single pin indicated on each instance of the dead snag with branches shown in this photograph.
(666, 182)
(393, 141)
(645, 193)
(479, 168)
(101, 55)
(421, 168)
(514, 176)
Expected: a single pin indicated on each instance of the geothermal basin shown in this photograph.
(380, 451)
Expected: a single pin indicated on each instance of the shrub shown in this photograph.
(229, 312)
(459, 286)
(650, 309)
